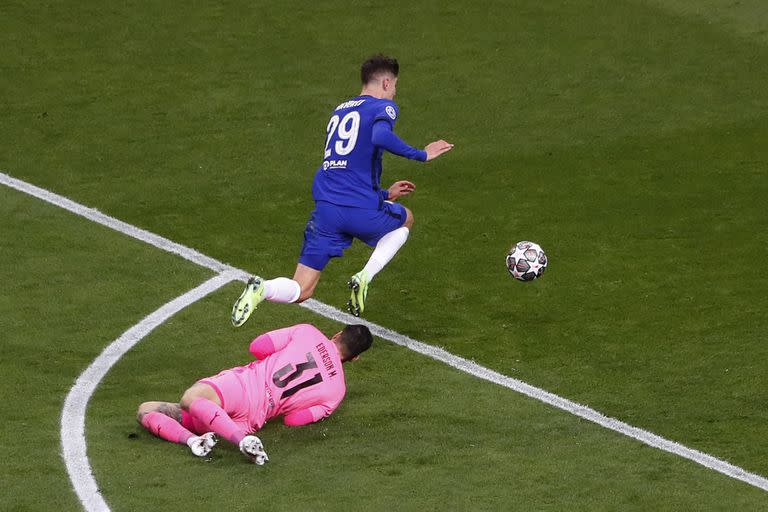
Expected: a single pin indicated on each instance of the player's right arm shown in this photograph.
(397, 190)
(306, 416)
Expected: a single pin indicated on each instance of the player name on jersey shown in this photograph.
(350, 104)
(327, 360)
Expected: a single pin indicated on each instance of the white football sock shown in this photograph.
(281, 289)
(385, 250)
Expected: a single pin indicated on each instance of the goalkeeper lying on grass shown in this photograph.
(298, 375)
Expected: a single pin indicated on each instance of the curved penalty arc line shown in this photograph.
(73, 443)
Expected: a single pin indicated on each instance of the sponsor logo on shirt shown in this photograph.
(334, 164)
(390, 110)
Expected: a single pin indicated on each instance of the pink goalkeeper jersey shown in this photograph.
(300, 371)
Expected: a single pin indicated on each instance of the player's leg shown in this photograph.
(388, 231)
(203, 403)
(387, 247)
(322, 241)
(307, 277)
(164, 419)
(279, 289)
(222, 404)
(324, 238)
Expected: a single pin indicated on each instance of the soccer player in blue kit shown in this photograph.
(349, 202)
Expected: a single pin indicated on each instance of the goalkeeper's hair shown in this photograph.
(376, 65)
(356, 340)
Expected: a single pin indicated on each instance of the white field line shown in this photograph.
(574, 408)
(118, 225)
(73, 442)
(436, 353)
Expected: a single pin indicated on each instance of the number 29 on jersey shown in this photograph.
(342, 134)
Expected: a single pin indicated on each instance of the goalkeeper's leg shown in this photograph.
(164, 419)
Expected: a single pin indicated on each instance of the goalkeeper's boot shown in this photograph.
(248, 301)
(359, 286)
(202, 445)
(252, 448)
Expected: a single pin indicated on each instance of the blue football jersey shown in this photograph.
(351, 168)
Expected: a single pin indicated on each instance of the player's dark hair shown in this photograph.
(377, 64)
(356, 340)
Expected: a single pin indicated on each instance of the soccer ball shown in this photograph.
(526, 261)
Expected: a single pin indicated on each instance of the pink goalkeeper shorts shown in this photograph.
(234, 387)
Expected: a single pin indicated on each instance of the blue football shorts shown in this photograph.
(331, 229)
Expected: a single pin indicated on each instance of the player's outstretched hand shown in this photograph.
(437, 148)
(400, 189)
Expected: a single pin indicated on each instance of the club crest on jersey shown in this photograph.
(390, 110)
(334, 164)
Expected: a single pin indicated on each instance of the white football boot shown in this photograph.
(252, 448)
(202, 445)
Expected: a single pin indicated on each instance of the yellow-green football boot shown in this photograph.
(248, 301)
(359, 286)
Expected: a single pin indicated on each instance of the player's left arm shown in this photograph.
(383, 136)
(272, 341)
(307, 416)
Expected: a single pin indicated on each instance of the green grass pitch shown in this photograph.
(628, 138)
